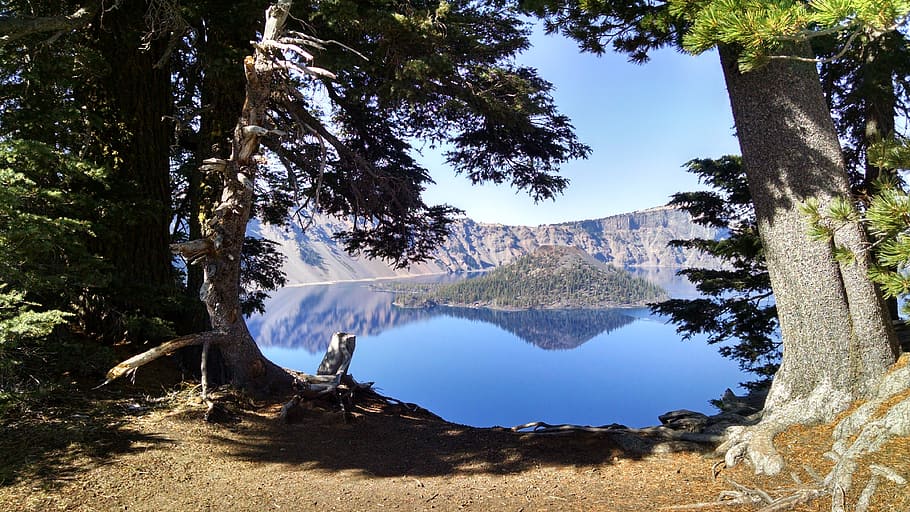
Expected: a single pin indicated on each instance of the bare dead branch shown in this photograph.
(310, 121)
(194, 249)
(315, 42)
(134, 363)
(847, 44)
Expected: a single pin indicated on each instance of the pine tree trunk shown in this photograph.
(222, 242)
(837, 338)
(221, 95)
(137, 235)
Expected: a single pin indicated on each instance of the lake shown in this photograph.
(483, 367)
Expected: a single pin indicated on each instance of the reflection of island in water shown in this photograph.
(305, 317)
(553, 329)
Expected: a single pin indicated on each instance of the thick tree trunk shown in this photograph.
(222, 96)
(137, 235)
(837, 339)
(220, 247)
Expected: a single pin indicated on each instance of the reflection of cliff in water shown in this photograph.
(677, 286)
(548, 329)
(305, 317)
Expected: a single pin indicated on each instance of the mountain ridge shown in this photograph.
(635, 239)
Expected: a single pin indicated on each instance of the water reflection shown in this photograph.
(549, 330)
(626, 366)
(305, 318)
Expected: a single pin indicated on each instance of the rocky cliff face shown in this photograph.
(637, 239)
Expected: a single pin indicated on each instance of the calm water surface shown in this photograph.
(481, 367)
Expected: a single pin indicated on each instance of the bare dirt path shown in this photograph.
(129, 455)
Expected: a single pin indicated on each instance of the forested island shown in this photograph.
(552, 277)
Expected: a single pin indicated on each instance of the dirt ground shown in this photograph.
(121, 450)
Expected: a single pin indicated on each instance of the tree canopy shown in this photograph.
(148, 93)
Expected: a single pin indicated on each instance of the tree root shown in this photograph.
(781, 499)
(869, 427)
(542, 427)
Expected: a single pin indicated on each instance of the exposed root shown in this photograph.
(541, 427)
(861, 433)
(754, 444)
(659, 433)
(740, 495)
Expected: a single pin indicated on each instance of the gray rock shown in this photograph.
(685, 420)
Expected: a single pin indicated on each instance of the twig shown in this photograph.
(714, 469)
(751, 492)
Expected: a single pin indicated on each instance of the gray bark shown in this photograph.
(837, 340)
(220, 252)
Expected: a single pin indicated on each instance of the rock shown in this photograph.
(743, 405)
(685, 420)
(719, 423)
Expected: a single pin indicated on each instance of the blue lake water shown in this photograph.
(483, 368)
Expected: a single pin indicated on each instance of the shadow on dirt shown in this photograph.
(387, 440)
(51, 439)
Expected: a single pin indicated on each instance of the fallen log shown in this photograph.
(131, 365)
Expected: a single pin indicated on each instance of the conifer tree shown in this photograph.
(402, 71)
(791, 154)
(736, 309)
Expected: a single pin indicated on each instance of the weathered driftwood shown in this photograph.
(329, 378)
(655, 433)
(338, 355)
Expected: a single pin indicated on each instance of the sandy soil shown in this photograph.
(121, 451)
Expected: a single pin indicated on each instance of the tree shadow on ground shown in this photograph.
(385, 440)
(52, 438)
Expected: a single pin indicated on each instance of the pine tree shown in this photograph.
(791, 155)
(736, 309)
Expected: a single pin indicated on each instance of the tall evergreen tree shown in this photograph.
(791, 154)
(736, 309)
(92, 87)
(436, 71)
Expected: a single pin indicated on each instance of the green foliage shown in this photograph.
(260, 271)
(551, 277)
(736, 309)
(630, 27)
(437, 73)
(46, 223)
(760, 29)
(867, 88)
(22, 329)
(888, 218)
(441, 72)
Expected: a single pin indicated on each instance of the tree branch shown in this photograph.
(132, 364)
(14, 28)
(312, 123)
(194, 249)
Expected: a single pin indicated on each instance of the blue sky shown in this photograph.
(642, 122)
